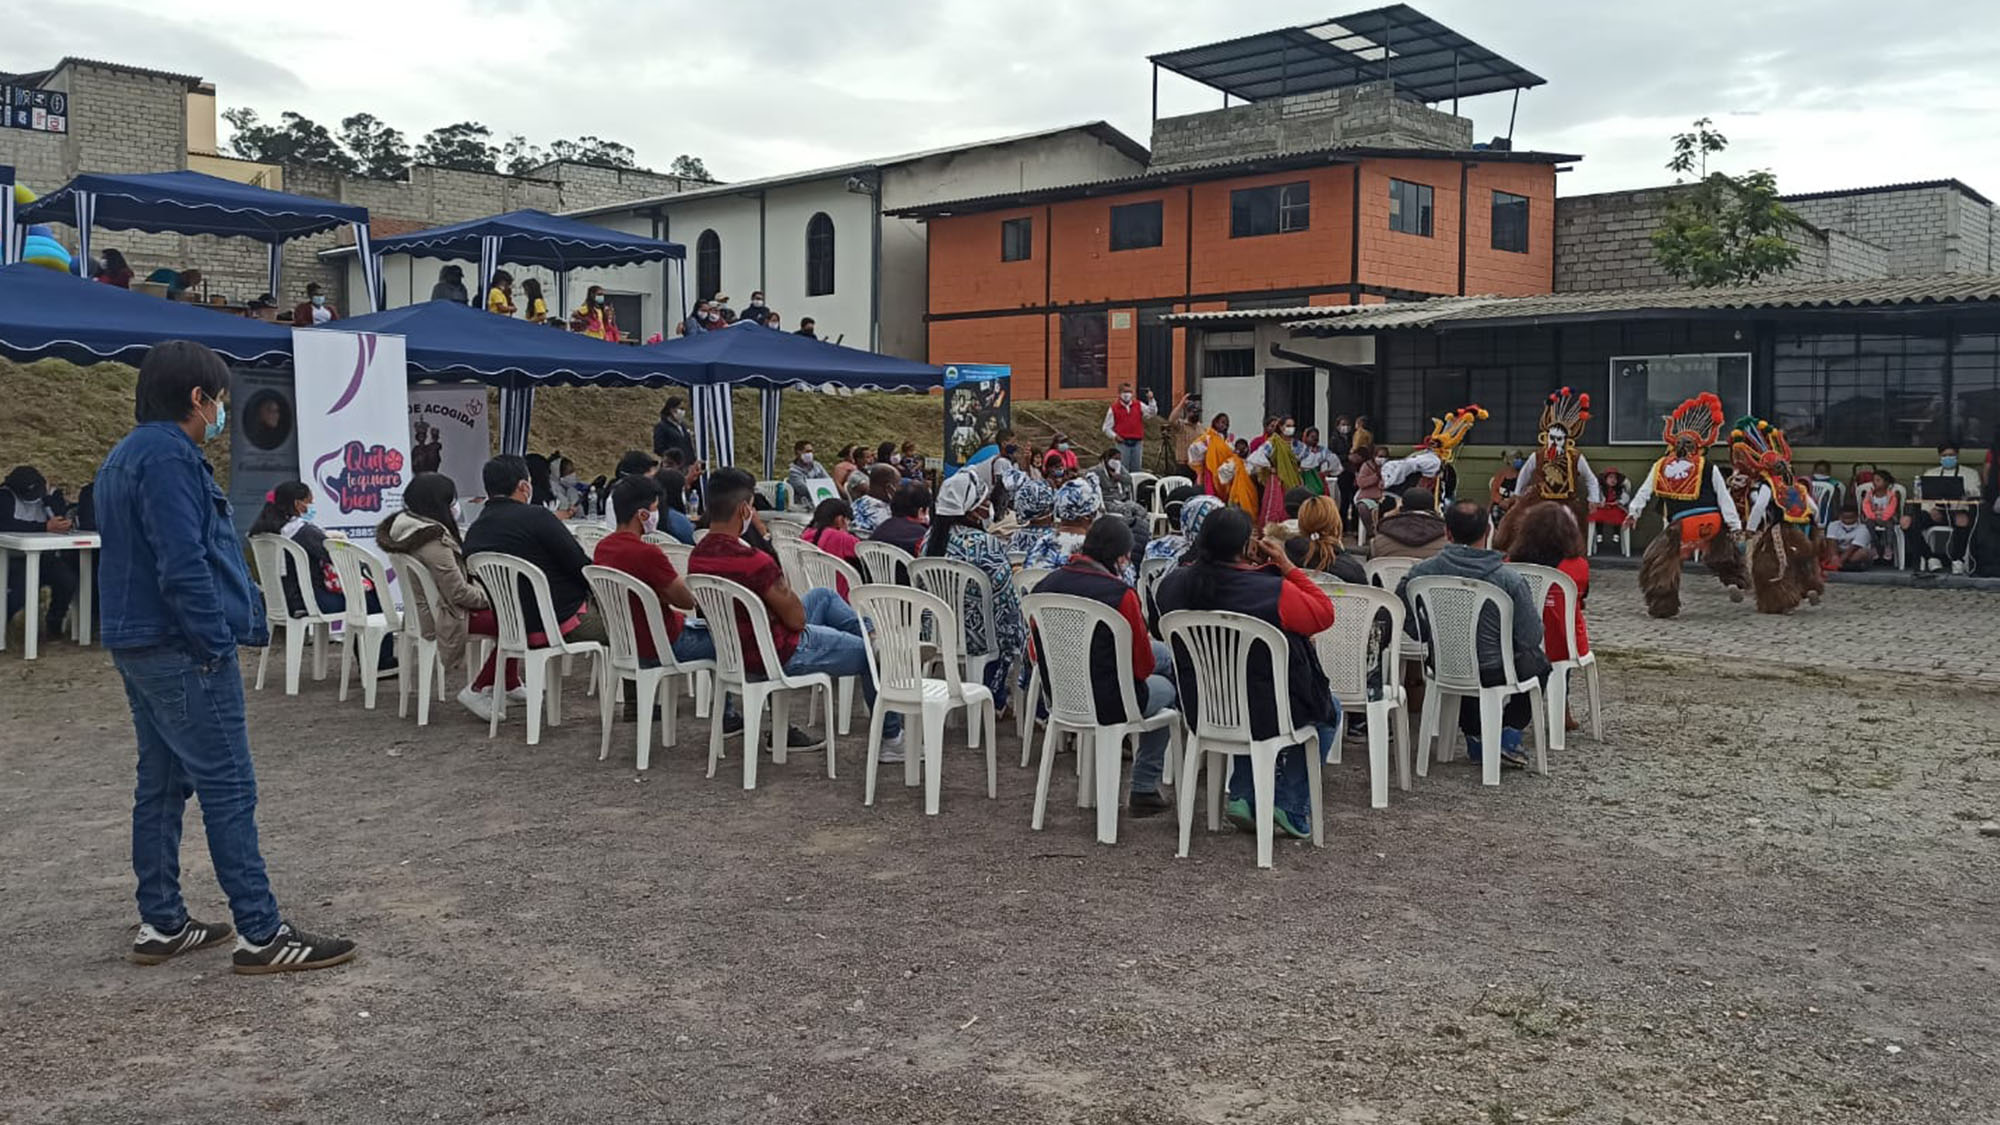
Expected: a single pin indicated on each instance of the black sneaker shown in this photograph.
(797, 739)
(1149, 804)
(152, 947)
(291, 951)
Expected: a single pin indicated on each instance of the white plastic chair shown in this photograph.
(358, 569)
(1025, 581)
(502, 575)
(1624, 538)
(589, 533)
(416, 644)
(613, 591)
(885, 563)
(1151, 573)
(275, 554)
(818, 570)
(780, 531)
(1347, 653)
(788, 548)
(1451, 608)
(965, 586)
(1540, 580)
(1156, 512)
(1217, 647)
(1388, 572)
(676, 551)
(721, 601)
(896, 658)
(1064, 627)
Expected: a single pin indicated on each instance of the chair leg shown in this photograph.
(497, 692)
(1042, 775)
(404, 674)
(754, 698)
(1190, 774)
(535, 672)
(262, 660)
(1490, 701)
(1378, 757)
(427, 669)
(1596, 702)
(369, 660)
(845, 709)
(322, 636)
(1264, 776)
(992, 751)
(1558, 690)
(781, 724)
(295, 656)
(1025, 713)
(933, 750)
(604, 719)
(346, 665)
(874, 755)
(1316, 789)
(1401, 713)
(716, 706)
(828, 717)
(552, 699)
(1427, 731)
(1109, 750)
(647, 688)
(1218, 781)
(1541, 719)
(670, 712)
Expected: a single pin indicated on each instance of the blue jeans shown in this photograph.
(832, 644)
(1151, 760)
(193, 740)
(1294, 793)
(1131, 452)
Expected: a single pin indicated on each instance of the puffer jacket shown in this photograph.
(427, 541)
(1417, 535)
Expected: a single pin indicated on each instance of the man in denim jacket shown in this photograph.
(177, 602)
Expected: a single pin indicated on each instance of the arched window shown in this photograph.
(819, 255)
(707, 265)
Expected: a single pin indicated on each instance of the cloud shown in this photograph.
(40, 34)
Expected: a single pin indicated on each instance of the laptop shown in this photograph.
(1941, 487)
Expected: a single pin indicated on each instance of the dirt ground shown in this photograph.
(1764, 897)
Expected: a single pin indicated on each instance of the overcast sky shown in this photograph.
(1827, 93)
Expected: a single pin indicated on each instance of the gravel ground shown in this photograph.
(1764, 896)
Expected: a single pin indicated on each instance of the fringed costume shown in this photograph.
(1557, 470)
(1784, 568)
(1433, 463)
(1694, 499)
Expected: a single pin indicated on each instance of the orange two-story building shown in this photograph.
(1069, 285)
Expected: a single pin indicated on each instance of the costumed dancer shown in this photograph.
(1557, 470)
(1224, 474)
(1433, 463)
(1784, 568)
(1694, 499)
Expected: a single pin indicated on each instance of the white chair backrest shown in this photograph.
(1448, 611)
(588, 533)
(1540, 580)
(821, 571)
(359, 568)
(896, 646)
(725, 605)
(276, 555)
(1027, 578)
(886, 563)
(1386, 573)
(676, 551)
(1347, 650)
(614, 591)
(420, 595)
(783, 531)
(1064, 626)
(1151, 572)
(769, 490)
(1824, 493)
(959, 584)
(788, 548)
(503, 576)
(1217, 647)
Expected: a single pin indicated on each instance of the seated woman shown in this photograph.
(1548, 535)
(427, 531)
(829, 529)
(1175, 546)
(1232, 571)
(289, 511)
(674, 521)
(959, 516)
(1317, 545)
(1882, 510)
(1077, 506)
(1034, 507)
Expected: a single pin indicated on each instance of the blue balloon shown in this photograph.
(43, 230)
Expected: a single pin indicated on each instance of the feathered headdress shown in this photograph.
(1567, 409)
(1699, 419)
(1450, 431)
(1758, 449)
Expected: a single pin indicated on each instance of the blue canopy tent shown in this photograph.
(196, 203)
(530, 238)
(749, 355)
(446, 340)
(8, 250)
(45, 314)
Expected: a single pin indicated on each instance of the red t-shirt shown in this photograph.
(1555, 632)
(622, 550)
(726, 556)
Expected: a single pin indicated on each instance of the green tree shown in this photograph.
(463, 147)
(518, 157)
(591, 150)
(691, 167)
(298, 140)
(1722, 229)
(380, 152)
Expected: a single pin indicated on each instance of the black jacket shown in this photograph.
(672, 435)
(534, 533)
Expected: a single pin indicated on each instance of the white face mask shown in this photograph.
(652, 520)
(1064, 447)
(1347, 429)
(1288, 430)
(1125, 396)
(806, 458)
(456, 515)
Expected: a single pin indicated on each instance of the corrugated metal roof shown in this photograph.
(1461, 312)
(1201, 170)
(1886, 189)
(1296, 312)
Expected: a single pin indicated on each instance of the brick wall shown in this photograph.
(966, 273)
(1504, 271)
(1410, 261)
(1319, 255)
(1015, 340)
(1087, 269)
(1925, 230)
(1355, 117)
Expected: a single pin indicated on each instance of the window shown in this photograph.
(1017, 240)
(1410, 207)
(1510, 222)
(1277, 209)
(707, 265)
(1135, 226)
(1647, 388)
(1885, 390)
(1084, 352)
(1229, 363)
(819, 255)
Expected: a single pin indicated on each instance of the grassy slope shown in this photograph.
(63, 418)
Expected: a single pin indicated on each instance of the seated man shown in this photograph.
(873, 506)
(909, 518)
(1121, 497)
(1963, 481)
(635, 502)
(801, 477)
(819, 633)
(27, 504)
(1849, 544)
(512, 526)
(1093, 572)
(1468, 556)
(1413, 530)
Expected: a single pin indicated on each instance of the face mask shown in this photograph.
(1125, 396)
(1063, 446)
(214, 429)
(1519, 461)
(319, 302)
(311, 513)
(1113, 467)
(806, 458)
(1949, 461)
(1347, 429)
(1288, 430)
(652, 520)
(456, 515)
(597, 300)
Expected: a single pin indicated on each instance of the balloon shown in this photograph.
(41, 229)
(22, 196)
(40, 250)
